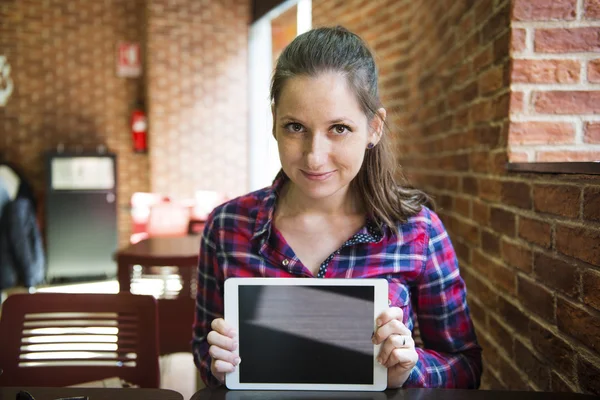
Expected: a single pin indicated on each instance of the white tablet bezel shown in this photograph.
(232, 380)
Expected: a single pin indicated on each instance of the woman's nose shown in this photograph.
(316, 152)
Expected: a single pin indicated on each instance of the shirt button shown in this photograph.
(285, 262)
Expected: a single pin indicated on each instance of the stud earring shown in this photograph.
(370, 146)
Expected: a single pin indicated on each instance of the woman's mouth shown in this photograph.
(317, 176)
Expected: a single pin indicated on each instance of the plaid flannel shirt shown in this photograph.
(419, 263)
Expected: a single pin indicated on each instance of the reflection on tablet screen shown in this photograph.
(309, 335)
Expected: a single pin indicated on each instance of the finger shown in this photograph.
(223, 367)
(216, 339)
(392, 343)
(388, 315)
(392, 327)
(402, 356)
(218, 353)
(219, 325)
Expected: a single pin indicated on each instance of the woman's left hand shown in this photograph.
(397, 352)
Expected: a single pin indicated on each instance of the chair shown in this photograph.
(59, 339)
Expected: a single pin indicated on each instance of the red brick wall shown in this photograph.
(554, 80)
(62, 55)
(197, 79)
(528, 244)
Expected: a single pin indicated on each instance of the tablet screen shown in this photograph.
(306, 334)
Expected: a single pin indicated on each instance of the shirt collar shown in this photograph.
(372, 232)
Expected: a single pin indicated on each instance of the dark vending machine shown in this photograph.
(81, 216)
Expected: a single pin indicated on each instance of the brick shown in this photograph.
(591, 203)
(501, 335)
(516, 102)
(502, 221)
(502, 48)
(567, 102)
(565, 156)
(463, 252)
(535, 369)
(462, 206)
(552, 348)
(482, 61)
(560, 200)
(490, 189)
(490, 243)
(518, 157)
(481, 213)
(556, 273)
(559, 384)
(591, 9)
(477, 288)
(502, 277)
(545, 71)
(490, 351)
(511, 376)
(516, 194)
(592, 133)
(469, 232)
(567, 40)
(543, 10)
(588, 372)
(534, 132)
(581, 243)
(470, 186)
(578, 323)
(591, 283)
(512, 315)
(491, 80)
(517, 40)
(593, 71)
(476, 311)
(535, 231)
(517, 256)
(498, 23)
(479, 161)
(536, 298)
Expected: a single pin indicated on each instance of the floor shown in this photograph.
(177, 371)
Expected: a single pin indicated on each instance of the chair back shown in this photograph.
(60, 339)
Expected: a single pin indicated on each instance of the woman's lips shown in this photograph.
(317, 176)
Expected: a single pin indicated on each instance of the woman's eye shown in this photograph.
(294, 127)
(340, 129)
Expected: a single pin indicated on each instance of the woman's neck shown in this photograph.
(293, 202)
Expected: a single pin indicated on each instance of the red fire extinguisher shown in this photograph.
(139, 129)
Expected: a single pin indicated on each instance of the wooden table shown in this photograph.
(10, 393)
(175, 315)
(408, 394)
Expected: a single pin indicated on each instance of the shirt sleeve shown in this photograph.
(209, 302)
(451, 356)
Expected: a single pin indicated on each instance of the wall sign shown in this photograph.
(129, 60)
(6, 83)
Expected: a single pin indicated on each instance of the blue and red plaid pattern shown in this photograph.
(419, 263)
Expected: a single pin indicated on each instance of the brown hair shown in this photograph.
(381, 187)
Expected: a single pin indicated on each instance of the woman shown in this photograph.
(336, 210)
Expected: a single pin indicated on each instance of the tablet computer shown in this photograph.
(306, 333)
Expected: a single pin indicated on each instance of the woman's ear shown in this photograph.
(376, 126)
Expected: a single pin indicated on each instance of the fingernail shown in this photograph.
(379, 360)
(238, 360)
(378, 322)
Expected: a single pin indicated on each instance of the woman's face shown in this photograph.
(322, 134)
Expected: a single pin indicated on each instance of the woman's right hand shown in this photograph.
(222, 341)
